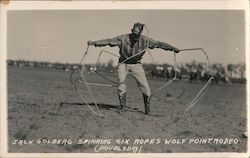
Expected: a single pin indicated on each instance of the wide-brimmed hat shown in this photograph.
(137, 28)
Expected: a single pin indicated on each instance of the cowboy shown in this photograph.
(132, 48)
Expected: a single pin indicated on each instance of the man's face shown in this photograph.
(136, 32)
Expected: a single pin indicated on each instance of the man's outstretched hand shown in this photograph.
(176, 50)
(91, 43)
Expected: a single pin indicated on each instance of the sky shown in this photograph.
(62, 35)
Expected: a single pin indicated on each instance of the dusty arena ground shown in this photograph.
(43, 107)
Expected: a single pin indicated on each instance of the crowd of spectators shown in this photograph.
(194, 72)
(200, 72)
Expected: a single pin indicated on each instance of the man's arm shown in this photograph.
(163, 45)
(106, 42)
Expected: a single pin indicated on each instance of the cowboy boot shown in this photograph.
(122, 99)
(147, 103)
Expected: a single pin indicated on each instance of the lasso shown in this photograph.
(81, 79)
(203, 90)
(174, 79)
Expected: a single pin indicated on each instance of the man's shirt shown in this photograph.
(129, 48)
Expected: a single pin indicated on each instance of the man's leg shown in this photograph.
(122, 73)
(140, 76)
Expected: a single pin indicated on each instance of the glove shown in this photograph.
(176, 50)
(91, 43)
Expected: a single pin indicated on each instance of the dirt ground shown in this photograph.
(44, 106)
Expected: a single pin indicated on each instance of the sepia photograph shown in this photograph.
(124, 80)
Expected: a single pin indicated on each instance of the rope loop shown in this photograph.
(81, 78)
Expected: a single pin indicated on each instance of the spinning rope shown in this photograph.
(174, 79)
(81, 79)
(203, 90)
